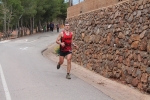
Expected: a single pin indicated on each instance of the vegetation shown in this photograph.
(57, 50)
(30, 13)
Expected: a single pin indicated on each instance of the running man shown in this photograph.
(65, 41)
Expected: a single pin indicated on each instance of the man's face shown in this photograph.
(67, 27)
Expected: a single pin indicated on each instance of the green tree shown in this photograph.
(30, 13)
(63, 10)
(10, 9)
(41, 9)
(14, 10)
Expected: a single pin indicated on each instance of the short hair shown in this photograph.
(67, 24)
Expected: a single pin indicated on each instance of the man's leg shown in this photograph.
(61, 60)
(69, 56)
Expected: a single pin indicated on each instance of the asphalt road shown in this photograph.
(26, 75)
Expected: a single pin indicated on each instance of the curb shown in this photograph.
(43, 51)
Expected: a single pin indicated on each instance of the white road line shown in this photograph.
(25, 41)
(31, 41)
(4, 41)
(7, 94)
(24, 48)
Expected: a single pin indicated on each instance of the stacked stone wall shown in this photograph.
(115, 42)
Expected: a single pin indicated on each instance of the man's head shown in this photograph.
(67, 26)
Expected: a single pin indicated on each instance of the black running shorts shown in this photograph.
(64, 53)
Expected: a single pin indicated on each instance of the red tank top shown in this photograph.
(67, 39)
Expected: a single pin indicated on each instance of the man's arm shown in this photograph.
(74, 44)
(58, 41)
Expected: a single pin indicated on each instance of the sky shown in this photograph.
(74, 1)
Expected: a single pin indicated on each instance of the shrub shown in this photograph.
(57, 50)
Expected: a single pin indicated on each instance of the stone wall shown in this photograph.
(89, 5)
(115, 42)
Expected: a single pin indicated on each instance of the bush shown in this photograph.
(57, 50)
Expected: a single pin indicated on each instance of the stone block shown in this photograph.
(109, 37)
(139, 57)
(144, 77)
(127, 62)
(148, 70)
(149, 79)
(142, 34)
(135, 57)
(130, 56)
(148, 88)
(120, 59)
(135, 82)
(136, 64)
(135, 44)
(145, 85)
(130, 19)
(139, 13)
(129, 79)
(148, 62)
(145, 61)
(130, 70)
(140, 86)
(121, 35)
(143, 45)
(135, 37)
(138, 73)
(143, 67)
(83, 35)
(148, 46)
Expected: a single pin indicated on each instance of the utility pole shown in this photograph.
(70, 3)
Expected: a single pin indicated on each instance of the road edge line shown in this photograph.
(7, 94)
